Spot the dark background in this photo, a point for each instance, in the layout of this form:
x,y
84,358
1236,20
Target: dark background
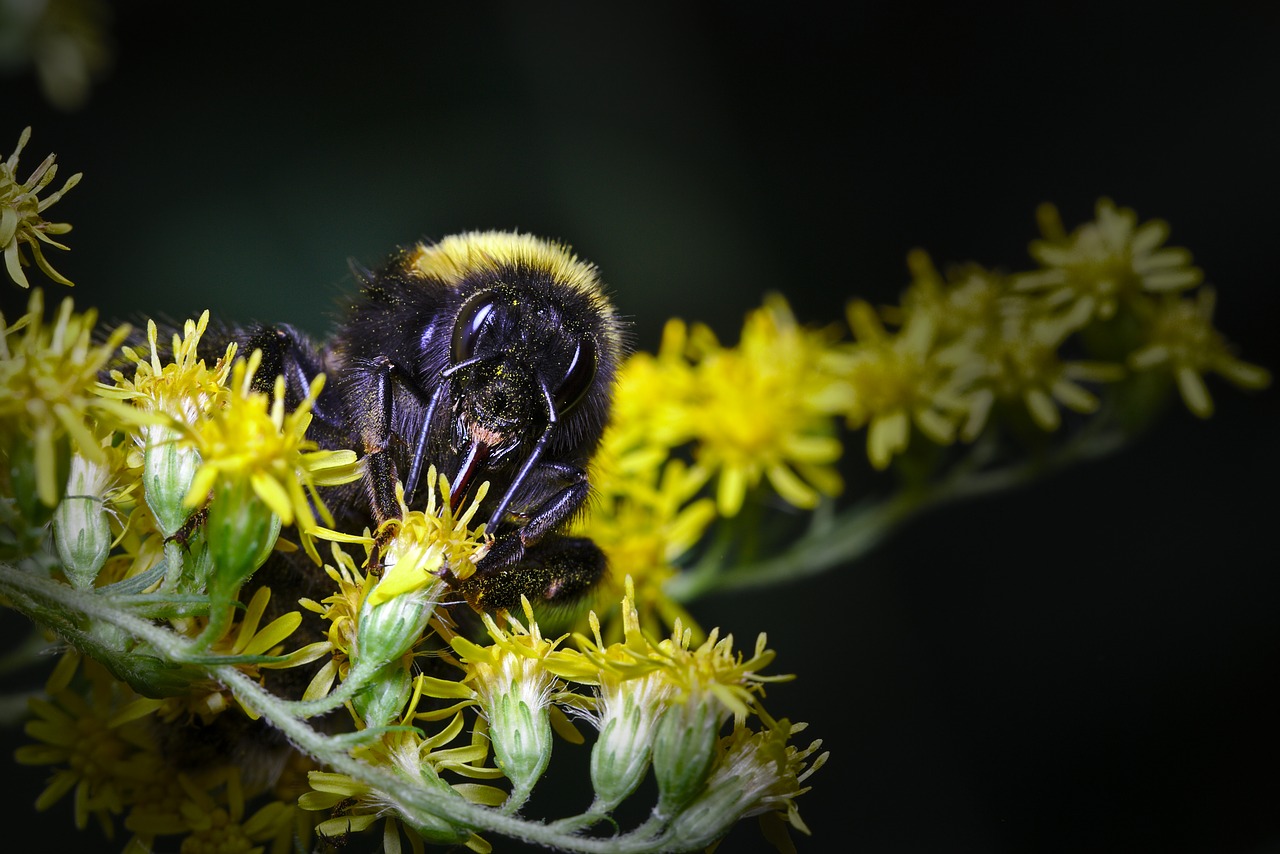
x,y
1088,665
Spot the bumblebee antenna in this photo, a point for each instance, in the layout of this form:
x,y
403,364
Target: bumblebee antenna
x,y
530,461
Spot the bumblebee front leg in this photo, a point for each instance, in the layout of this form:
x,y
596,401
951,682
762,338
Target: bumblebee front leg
x,y
554,574
532,561
560,506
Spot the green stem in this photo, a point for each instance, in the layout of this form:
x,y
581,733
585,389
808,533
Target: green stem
x,y
414,800
837,539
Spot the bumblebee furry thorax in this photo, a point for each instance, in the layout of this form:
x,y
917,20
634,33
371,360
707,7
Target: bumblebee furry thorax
x,y
490,355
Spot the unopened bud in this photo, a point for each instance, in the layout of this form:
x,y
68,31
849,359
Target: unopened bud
x,y
684,751
81,529
241,531
169,465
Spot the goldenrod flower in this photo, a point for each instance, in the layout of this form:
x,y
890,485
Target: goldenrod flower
x,y
21,209
206,699
100,753
174,395
895,381
1105,263
355,806
663,699
631,694
513,681
651,399
1018,361
762,410
644,519
1181,339
421,544
963,304
756,773
47,374
180,386
342,609
218,824
251,438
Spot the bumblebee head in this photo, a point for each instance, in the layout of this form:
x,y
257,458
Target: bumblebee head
x,y
520,363
533,345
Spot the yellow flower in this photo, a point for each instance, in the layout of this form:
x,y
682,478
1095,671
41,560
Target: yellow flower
x,y
251,437
710,672
1106,263
355,806
21,207
652,398
181,386
342,609
421,544
215,821
47,374
763,410
170,397
207,699
756,773
1182,340
514,682
1017,361
896,381
103,753
645,519
964,303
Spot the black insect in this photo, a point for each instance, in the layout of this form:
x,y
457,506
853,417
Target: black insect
x,y
490,355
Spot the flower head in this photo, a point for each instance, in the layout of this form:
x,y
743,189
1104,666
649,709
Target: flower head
x,y
101,753
1182,340
895,381
756,773
421,544
251,439
762,410
1106,263
47,374
21,209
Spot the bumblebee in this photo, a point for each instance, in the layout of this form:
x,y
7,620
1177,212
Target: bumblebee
x,y
491,355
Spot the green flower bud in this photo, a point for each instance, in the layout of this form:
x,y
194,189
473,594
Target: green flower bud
x,y
169,465
684,751
382,700
628,717
520,727
81,530
241,531
389,629
436,830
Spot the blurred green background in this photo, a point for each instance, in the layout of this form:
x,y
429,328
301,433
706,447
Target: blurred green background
x,y
1089,665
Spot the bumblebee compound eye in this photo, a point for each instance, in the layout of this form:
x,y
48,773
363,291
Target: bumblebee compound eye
x,y
473,316
578,377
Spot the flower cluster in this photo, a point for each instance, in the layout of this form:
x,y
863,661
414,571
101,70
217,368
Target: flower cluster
x,y
161,505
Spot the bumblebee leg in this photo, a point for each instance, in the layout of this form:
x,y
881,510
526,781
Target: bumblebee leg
x,y
556,509
288,353
510,546
374,430
556,572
